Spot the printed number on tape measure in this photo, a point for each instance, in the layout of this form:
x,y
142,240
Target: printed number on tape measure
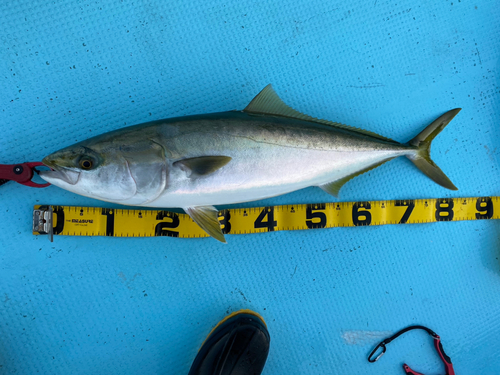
x,y
91,221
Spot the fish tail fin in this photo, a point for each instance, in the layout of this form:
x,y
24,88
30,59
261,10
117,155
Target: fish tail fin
x,y
422,158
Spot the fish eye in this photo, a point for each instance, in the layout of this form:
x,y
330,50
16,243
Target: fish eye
x,y
86,164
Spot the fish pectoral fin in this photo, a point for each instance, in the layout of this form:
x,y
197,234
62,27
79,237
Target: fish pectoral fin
x,y
334,187
207,217
203,165
269,103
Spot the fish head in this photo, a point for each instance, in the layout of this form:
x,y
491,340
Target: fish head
x,y
114,170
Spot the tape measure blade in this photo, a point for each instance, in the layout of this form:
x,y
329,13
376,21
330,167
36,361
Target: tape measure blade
x,y
85,221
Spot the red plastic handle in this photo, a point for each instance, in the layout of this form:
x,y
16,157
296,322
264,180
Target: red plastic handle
x,y
21,173
446,360
409,371
448,366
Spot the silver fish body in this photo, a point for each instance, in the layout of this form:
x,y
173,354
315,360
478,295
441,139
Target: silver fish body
x,y
269,156
197,162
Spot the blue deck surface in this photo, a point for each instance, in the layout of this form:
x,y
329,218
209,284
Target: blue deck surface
x,y
75,69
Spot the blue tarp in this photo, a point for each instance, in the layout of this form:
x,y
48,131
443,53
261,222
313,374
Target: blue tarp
x,y
79,305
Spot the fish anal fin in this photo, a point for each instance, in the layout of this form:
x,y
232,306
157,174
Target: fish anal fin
x,y
207,217
334,187
269,103
203,165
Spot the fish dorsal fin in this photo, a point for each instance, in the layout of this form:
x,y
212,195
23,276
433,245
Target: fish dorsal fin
x,y
334,187
203,165
269,103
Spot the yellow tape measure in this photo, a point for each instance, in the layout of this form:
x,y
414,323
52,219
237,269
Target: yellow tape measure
x,y
92,221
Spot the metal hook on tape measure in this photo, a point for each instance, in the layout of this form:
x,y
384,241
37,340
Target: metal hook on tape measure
x,y
21,173
42,221
437,344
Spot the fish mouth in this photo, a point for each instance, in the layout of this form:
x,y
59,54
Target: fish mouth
x,y
58,174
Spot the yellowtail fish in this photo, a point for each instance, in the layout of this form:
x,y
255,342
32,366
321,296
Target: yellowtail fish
x,y
196,162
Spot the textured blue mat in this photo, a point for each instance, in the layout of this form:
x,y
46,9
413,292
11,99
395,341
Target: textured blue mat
x,y
71,70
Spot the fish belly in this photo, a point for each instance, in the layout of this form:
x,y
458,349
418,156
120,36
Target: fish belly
x,y
252,176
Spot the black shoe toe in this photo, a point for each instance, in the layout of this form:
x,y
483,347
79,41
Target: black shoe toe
x,y
238,345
